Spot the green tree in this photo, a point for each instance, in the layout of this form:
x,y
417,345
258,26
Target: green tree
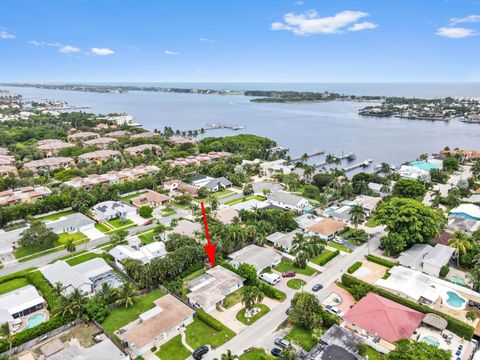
x,y
451,164
289,353
145,212
357,215
417,350
228,356
306,311
97,309
70,246
409,188
127,295
248,272
248,189
6,334
462,243
38,234
213,201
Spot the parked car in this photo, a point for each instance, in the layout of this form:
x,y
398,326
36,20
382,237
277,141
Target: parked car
x,y
148,222
334,310
317,287
288,310
272,279
282,343
276,352
288,274
337,240
381,247
198,354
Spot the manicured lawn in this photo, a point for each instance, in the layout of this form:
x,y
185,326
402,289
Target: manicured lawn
x,y
54,217
245,198
339,246
122,316
12,285
287,265
130,197
320,258
248,321
62,240
296,284
372,222
168,212
82,258
199,333
233,298
302,337
173,350
371,353
64,237
256,354
103,228
147,237
118,223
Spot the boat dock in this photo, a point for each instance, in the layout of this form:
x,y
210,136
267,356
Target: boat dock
x,y
310,155
364,164
216,126
348,156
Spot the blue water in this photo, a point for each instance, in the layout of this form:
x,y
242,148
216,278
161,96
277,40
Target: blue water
x,y
35,320
334,127
424,165
430,340
455,300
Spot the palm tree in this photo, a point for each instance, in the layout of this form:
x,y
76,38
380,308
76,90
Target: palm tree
x,y
107,293
213,201
58,288
385,168
70,246
6,333
309,170
127,295
266,192
357,215
248,297
228,356
330,159
298,240
461,242
289,353
258,295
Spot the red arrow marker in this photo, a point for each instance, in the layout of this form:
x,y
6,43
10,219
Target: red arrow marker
x,y
211,247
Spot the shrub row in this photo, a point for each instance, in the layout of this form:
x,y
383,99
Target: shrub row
x,y
456,326
354,267
17,275
209,320
381,261
36,279
329,257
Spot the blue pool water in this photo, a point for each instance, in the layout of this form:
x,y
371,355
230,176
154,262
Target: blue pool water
x,y
458,280
35,319
455,300
329,212
424,165
431,340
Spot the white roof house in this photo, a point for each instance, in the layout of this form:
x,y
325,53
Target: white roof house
x,y
468,211
20,302
109,210
287,201
283,241
72,223
412,172
425,258
144,253
270,168
251,204
259,257
306,220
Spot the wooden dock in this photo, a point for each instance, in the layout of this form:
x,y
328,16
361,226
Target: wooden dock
x,y
363,164
310,155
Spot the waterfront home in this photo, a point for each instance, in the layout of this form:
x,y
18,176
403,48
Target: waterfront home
x,y
385,320
283,241
86,277
326,228
198,159
52,146
49,164
178,140
139,150
426,258
20,302
465,155
101,142
226,215
145,135
71,224
467,211
99,156
145,253
412,172
109,210
165,320
271,168
150,198
8,170
380,189
465,225
28,194
287,201
210,289
81,136
186,228
176,187
257,256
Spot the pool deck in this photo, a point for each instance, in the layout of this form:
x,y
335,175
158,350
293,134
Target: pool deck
x,y
455,341
24,319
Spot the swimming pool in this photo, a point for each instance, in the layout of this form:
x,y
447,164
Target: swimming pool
x,y
329,212
455,301
35,319
431,340
458,280
424,165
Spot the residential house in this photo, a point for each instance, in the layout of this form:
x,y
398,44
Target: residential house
x,y
380,189
459,223
198,159
145,253
117,134
226,215
266,187
271,168
467,211
176,187
71,224
28,194
326,228
257,256
210,289
178,140
52,146
20,302
250,205
465,155
426,258
201,180
109,210
287,201
213,185
412,172
306,220
474,199
8,170
337,343
49,164
139,150
184,227
99,156
81,136
283,241
145,135
150,198
101,142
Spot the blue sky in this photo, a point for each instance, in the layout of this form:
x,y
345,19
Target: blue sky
x,y
240,41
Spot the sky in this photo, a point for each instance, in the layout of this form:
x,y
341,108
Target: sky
x,y
239,41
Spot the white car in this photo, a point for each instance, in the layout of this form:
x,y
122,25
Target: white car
x,y
334,310
337,240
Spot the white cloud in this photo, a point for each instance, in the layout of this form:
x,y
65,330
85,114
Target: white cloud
x,y
35,43
362,26
68,49
101,51
299,3
206,40
6,35
170,52
43,43
310,22
466,19
455,32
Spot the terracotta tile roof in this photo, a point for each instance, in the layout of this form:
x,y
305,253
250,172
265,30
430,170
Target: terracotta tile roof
x,y
326,227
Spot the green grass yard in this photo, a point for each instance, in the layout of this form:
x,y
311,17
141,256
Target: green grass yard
x,y
322,257
250,320
122,316
287,265
36,250
372,222
119,223
245,198
296,284
256,354
339,246
173,350
12,285
233,298
302,337
82,258
57,216
199,333
147,237
103,228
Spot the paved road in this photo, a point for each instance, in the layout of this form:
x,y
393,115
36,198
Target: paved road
x,y
255,334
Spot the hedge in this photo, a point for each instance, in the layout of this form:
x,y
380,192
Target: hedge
x,y
209,320
16,275
354,267
329,257
456,326
36,279
381,261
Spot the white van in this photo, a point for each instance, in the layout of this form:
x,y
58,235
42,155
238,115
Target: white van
x,y
271,279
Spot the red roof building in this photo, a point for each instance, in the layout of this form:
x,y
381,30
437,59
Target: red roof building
x,y
376,315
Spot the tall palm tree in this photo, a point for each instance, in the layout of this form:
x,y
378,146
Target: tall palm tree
x,y
298,241
58,288
258,295
357,215
248,297
6,333
461,242
385,168
228,356
70,246
107,293
213,201
127,295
